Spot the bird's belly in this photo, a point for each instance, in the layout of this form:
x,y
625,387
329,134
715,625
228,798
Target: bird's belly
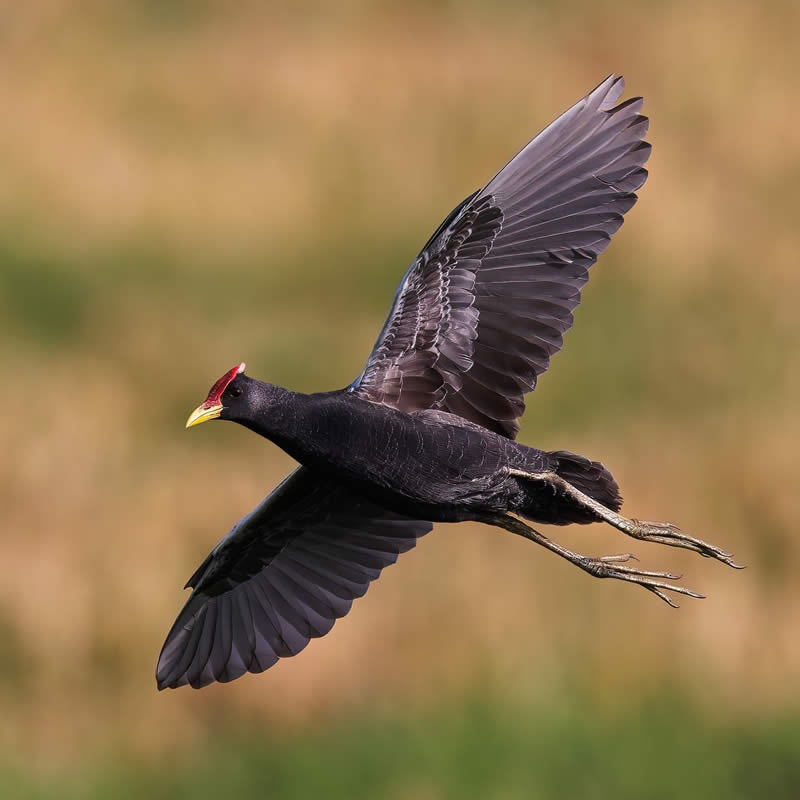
x,y
456,507
417,490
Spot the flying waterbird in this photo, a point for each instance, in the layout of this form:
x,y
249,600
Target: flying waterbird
x,y
426,433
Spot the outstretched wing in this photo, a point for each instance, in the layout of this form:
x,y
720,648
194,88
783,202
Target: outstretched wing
x,y
486,303
282,576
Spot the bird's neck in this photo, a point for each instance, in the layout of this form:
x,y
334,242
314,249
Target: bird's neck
x,y
274,413
289,419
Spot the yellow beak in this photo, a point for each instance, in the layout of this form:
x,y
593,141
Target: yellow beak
x,y
203,414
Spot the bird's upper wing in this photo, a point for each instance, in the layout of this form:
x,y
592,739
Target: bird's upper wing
x,y
486,303
282,576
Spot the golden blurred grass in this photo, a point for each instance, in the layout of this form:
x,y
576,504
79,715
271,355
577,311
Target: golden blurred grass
x,y
185,186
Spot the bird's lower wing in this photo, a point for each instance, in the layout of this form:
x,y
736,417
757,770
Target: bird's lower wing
x,y
282,576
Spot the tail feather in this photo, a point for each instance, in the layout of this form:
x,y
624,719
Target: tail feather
x,y
591,477
548,504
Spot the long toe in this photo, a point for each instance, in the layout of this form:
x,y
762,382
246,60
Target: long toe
x,y
672,536
619,558
653,581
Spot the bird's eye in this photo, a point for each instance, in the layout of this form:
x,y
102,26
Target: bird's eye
x,y
236,391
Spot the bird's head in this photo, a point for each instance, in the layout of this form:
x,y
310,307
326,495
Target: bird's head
x,y
230,398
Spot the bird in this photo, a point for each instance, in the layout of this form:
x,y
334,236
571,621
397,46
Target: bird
x,y
427,432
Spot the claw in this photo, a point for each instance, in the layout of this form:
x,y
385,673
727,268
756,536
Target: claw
x,y
668,600
669,534
610,567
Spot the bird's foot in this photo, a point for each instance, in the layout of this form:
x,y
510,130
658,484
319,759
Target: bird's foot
x,y
610,567
673,536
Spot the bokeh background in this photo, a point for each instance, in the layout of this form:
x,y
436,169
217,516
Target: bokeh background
x,y
190,184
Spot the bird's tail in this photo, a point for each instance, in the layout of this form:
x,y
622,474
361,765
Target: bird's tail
x,y
591,477
550,504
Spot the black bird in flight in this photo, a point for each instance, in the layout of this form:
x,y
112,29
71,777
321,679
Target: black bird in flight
x,y
426,433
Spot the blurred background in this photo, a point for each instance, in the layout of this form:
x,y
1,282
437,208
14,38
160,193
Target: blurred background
x,y
190,184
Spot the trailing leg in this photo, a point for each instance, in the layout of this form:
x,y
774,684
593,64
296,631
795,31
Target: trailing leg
x,y
659,532
600,567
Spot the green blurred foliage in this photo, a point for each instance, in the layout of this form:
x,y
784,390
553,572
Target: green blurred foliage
x,y
480,748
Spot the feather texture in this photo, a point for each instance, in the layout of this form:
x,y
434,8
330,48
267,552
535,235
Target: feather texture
x,y
281,577
487,302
